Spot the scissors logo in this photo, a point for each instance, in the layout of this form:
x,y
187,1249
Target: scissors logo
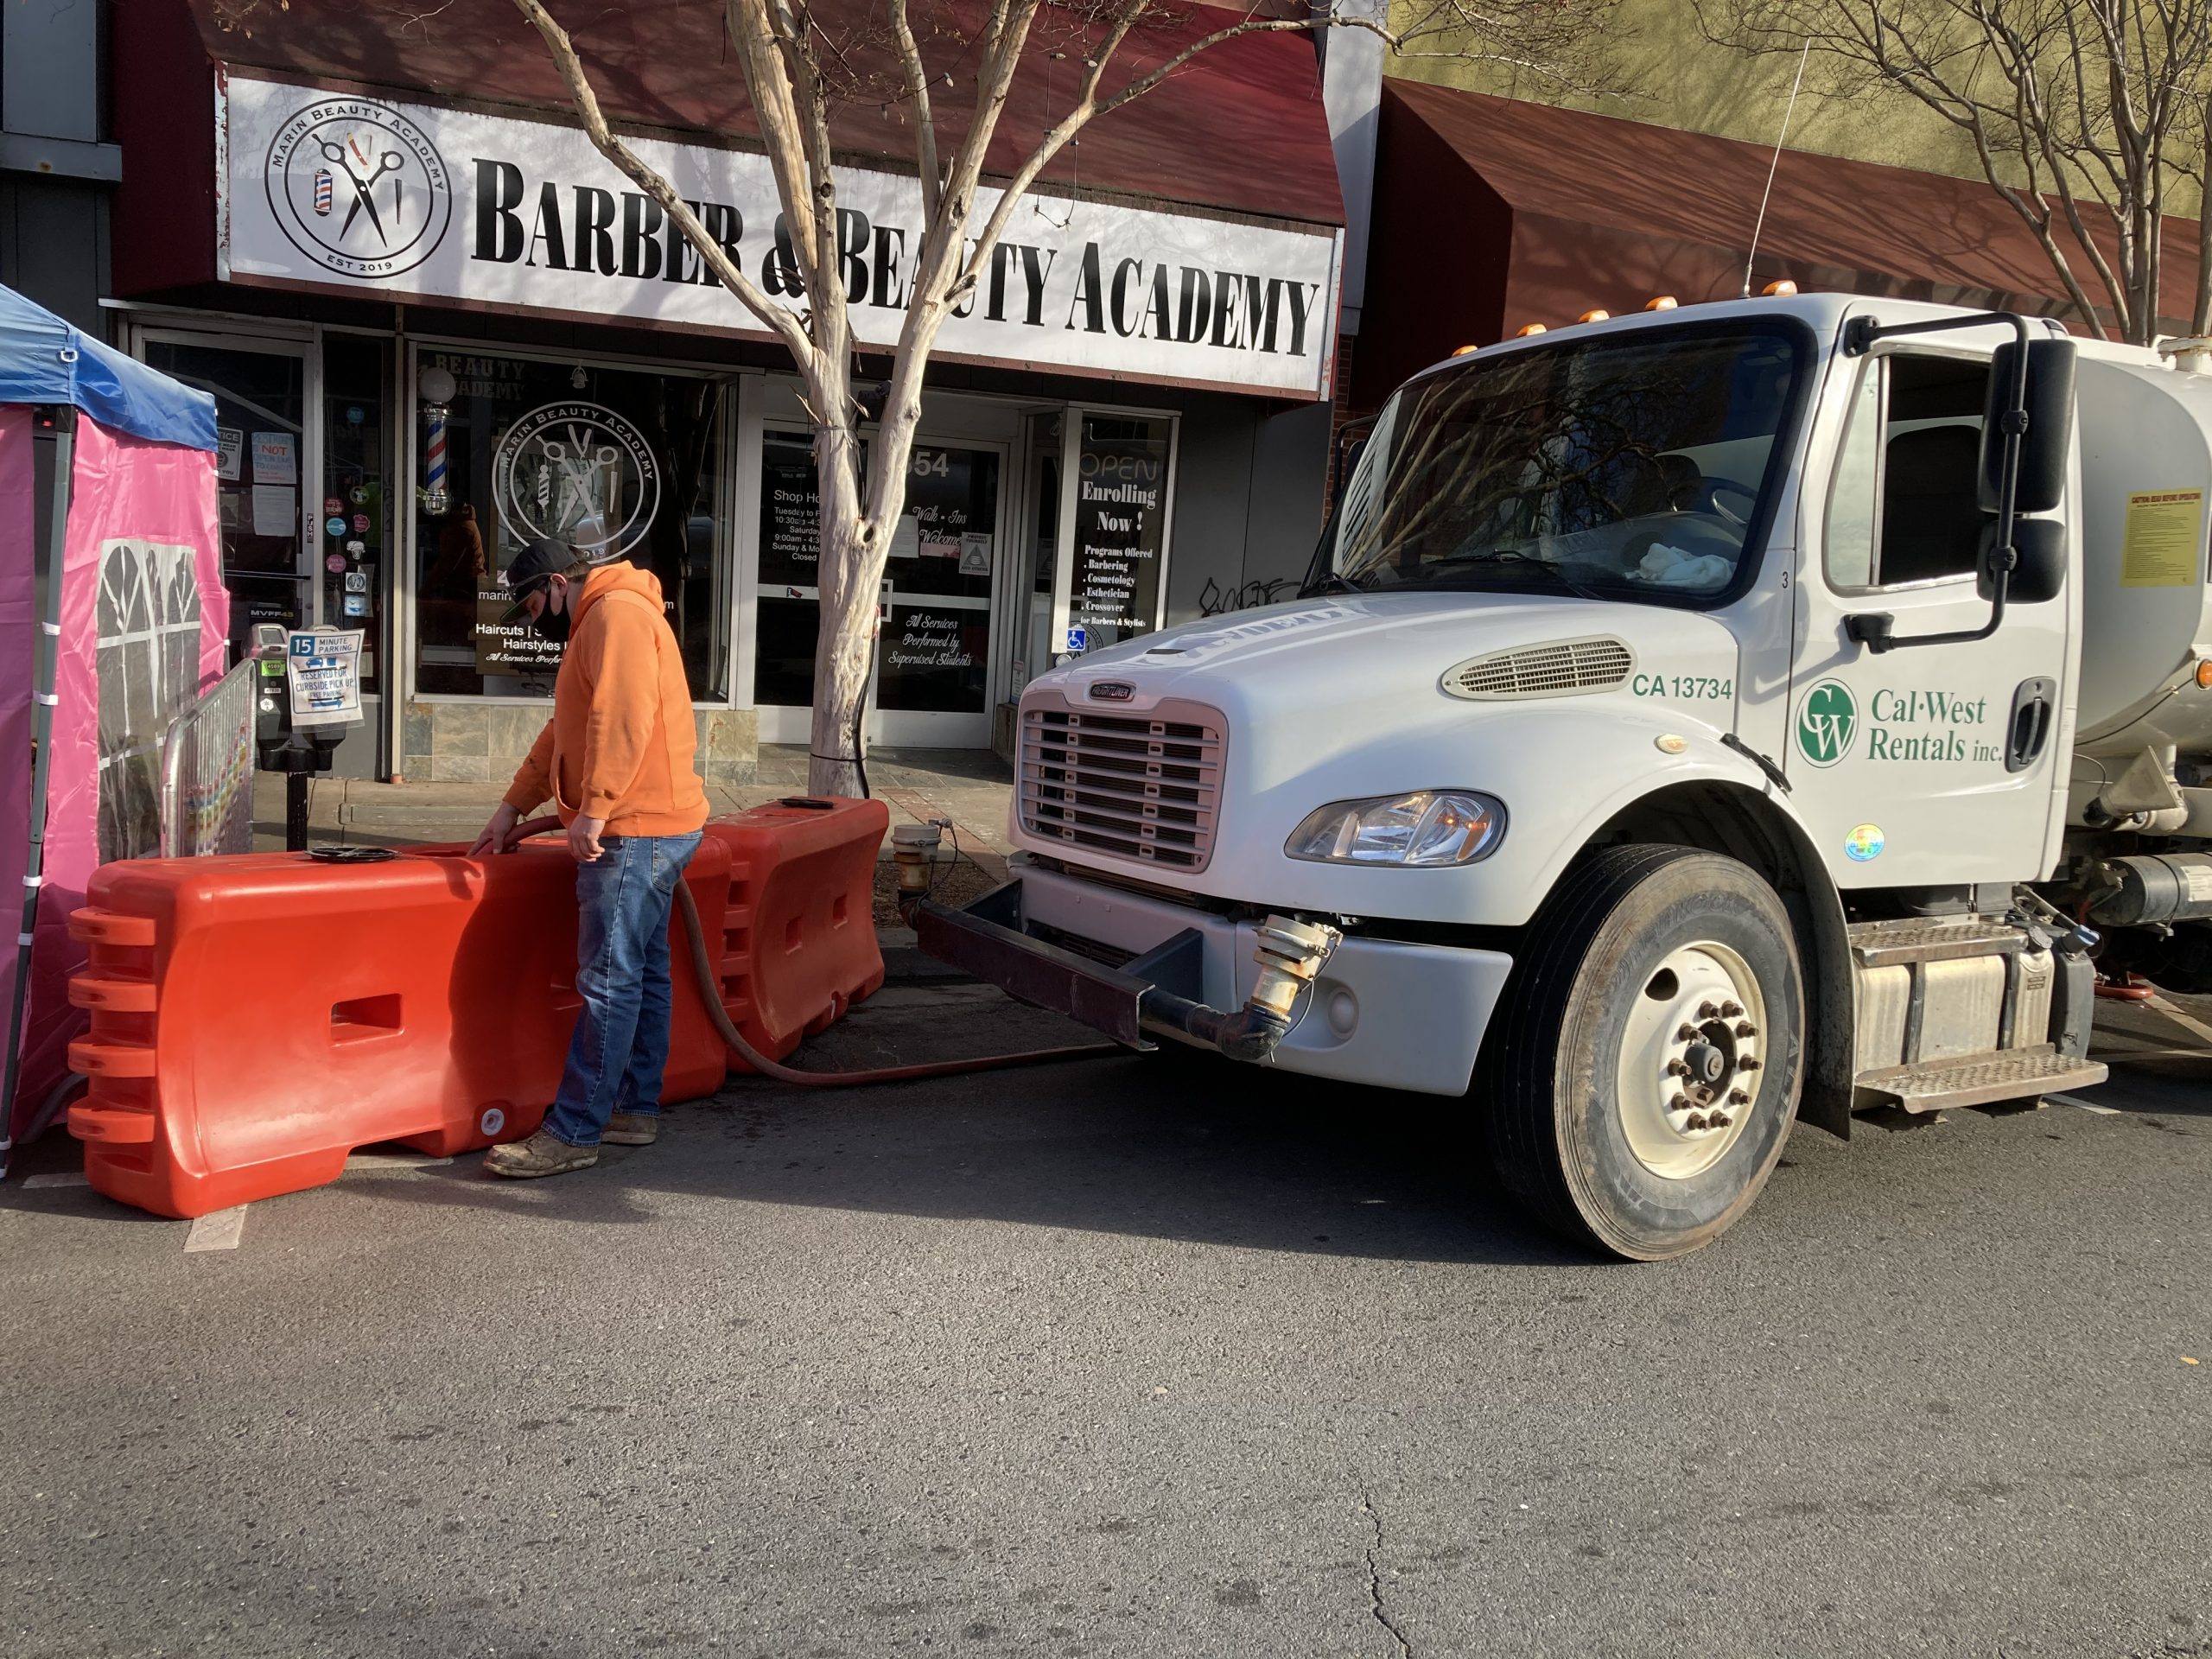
x,y
580,471
359,187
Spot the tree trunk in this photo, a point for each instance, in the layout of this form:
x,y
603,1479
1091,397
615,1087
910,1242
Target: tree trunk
x,y
851,567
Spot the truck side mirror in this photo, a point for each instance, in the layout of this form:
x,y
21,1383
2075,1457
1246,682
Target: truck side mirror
x,y
2048,439
2040,572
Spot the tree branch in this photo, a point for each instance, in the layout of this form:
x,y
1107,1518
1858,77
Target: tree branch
x,y
779,321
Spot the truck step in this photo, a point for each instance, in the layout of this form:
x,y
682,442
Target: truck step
x,y
1978,1079
1880,945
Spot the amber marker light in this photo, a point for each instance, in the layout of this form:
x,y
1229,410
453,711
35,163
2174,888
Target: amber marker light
x,y
2204,673
1780,290
1664,302
1466,350
1527,329
1593,316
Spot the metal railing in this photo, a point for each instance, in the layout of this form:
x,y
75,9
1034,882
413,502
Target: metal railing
x,y
207,769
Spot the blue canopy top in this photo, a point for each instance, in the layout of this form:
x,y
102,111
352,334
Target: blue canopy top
x,y
44,360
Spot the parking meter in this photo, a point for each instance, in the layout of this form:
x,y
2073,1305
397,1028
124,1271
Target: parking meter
x,y
308,691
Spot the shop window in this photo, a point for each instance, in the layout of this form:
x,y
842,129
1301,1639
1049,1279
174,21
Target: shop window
x,y
621,463
1121,529
352,532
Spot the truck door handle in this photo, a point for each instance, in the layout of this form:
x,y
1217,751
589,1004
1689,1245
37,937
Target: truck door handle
x,y
2033,705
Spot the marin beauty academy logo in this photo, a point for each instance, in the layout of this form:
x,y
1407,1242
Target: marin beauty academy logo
x,y
359,187
1827,723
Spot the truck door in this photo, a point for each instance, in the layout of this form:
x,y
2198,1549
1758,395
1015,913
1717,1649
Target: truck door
x,y
1919,766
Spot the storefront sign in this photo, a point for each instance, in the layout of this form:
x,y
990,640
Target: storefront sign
x,y
341,190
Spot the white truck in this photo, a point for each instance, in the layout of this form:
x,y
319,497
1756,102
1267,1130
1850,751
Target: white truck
x,y
1694,721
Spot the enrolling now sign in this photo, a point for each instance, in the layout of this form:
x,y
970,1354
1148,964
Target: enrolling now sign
x,y
344,191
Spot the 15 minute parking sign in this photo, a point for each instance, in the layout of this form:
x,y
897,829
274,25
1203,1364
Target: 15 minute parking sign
x,y
325,670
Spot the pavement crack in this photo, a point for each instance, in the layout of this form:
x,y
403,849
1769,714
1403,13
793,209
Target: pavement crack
x,y
1374,1607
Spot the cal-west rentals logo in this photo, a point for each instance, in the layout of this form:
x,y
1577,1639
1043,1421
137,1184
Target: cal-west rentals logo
x,y
580,473
359,187
1828,722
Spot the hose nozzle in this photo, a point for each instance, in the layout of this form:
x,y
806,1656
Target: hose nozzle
x,y
914,848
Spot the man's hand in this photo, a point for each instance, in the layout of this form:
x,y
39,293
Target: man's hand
x,y
494,836
584,839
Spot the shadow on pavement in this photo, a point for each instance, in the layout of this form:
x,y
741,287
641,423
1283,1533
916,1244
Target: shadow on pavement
x,y
1178,1148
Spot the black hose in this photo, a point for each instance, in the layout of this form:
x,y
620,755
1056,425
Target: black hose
x,y
702,967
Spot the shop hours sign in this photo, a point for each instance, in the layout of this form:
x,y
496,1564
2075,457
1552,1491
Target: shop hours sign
x,y
340,191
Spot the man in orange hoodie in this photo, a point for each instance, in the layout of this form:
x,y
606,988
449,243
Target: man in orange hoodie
x,y
616,761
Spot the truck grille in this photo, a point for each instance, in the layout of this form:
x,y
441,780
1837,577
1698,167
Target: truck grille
x,y
1140,786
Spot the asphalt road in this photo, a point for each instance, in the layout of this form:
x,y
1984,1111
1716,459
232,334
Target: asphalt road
x,y
1116,1358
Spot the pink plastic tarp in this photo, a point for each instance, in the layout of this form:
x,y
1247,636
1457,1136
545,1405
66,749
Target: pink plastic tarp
x,y
124,488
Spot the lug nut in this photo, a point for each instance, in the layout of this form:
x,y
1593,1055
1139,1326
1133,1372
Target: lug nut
x,y
1730,1010
1679,1103
1694,1121
1717,1121
1748,1063
1739,1097
1707,1011
1687,1034
1678,1068
1745,1028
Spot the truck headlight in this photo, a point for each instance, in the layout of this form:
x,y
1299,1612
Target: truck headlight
x,y
1427,828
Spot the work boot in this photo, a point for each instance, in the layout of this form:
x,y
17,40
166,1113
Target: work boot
x,y
542,1155
630,1129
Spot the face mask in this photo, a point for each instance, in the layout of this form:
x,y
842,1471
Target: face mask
x,y
551,625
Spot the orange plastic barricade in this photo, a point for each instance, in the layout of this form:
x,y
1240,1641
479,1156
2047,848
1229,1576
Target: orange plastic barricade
x,y
255,1019
798,936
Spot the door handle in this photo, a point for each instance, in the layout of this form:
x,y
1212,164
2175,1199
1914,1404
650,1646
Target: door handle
x,y
2033,706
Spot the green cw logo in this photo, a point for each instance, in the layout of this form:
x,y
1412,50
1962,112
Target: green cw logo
x,y
1828,720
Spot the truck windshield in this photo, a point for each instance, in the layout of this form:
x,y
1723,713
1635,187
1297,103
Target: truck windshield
x,y
1631,467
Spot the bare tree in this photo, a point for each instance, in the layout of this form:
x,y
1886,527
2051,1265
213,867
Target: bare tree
x,y
798,60
2083,113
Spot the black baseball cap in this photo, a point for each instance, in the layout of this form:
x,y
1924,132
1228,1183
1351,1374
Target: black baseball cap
x,y
545,558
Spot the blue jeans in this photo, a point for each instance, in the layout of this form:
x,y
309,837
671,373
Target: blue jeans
x,y
620,1048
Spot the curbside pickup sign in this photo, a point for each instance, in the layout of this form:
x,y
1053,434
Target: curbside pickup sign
x,y
338,190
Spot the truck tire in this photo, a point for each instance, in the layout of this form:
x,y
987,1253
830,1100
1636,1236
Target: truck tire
x,y
1630,972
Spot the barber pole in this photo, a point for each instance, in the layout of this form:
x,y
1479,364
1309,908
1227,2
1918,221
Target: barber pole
x,y
437,498
322,191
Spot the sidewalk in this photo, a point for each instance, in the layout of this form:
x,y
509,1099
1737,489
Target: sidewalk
x,y
970,786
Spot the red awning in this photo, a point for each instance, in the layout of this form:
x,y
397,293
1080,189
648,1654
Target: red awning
x,y
1241,131
1491,214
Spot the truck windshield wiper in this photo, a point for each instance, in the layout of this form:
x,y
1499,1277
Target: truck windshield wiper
x,y
1513,555
1336,581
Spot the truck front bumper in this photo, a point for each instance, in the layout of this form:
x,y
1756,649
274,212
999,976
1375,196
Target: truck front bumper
x,y
1392,1014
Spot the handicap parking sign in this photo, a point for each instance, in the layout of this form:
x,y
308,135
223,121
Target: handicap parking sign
x,y
1078,639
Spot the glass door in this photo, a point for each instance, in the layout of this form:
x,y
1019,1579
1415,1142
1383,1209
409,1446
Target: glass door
x,y
933,675
264,466
931,682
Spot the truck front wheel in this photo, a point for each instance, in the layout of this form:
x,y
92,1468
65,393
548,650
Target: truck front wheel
x,y
1640,1071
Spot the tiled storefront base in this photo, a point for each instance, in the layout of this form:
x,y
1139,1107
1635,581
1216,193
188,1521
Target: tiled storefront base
x,y
483,742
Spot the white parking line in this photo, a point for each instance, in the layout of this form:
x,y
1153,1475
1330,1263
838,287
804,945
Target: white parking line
x,y
219,1231
2087,1106
59,1177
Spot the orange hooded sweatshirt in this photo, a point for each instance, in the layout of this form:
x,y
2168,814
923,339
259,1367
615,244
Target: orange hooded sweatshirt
x,y
620,743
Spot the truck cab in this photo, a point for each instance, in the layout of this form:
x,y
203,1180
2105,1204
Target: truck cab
x,y
1676,736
